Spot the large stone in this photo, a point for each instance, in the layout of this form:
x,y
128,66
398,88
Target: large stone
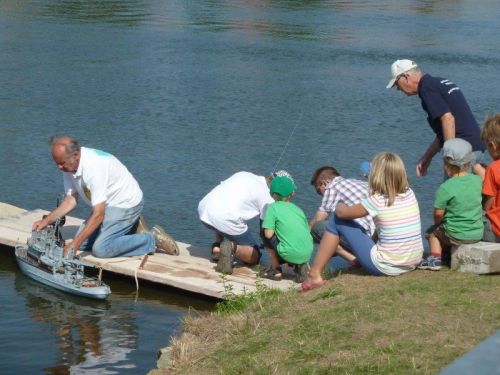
x,y
480,258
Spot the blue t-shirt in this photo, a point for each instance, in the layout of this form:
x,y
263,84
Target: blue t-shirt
x,y
439,96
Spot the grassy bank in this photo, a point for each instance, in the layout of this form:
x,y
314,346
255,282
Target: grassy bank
x,y
355,324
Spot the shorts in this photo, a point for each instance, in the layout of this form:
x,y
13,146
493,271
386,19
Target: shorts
x,y
245,239
444,238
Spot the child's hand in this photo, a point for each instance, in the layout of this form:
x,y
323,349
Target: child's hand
x,y
479,169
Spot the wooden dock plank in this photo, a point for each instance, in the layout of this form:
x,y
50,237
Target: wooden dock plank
x,y
190,271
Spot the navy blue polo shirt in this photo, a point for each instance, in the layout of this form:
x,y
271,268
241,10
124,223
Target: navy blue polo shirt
x,y
439,96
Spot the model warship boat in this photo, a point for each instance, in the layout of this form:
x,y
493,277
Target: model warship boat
x,y
42,259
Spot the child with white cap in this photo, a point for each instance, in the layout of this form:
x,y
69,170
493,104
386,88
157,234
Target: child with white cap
x,y
288,222
457,206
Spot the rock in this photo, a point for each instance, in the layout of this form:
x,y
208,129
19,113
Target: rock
x,y
164,358
479,258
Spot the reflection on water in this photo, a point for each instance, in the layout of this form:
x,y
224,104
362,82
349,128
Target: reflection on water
x,y
129,12
66,334
87,333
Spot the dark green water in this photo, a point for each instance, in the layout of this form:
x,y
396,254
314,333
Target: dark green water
x,y
186,93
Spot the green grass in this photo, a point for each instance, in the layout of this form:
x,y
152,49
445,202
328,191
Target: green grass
x,y
356,324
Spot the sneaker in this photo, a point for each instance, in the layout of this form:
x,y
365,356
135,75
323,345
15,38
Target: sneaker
x,y
225,262
141,225
271,273
301,272
164,243
432,263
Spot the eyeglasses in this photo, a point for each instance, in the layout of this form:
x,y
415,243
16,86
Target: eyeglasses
x,y
398,78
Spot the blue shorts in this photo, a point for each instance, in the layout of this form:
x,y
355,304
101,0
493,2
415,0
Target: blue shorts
x,y
359,241
245,239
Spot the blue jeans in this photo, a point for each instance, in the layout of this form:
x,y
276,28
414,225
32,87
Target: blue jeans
x,y
489,236
319,229
116,236
360,243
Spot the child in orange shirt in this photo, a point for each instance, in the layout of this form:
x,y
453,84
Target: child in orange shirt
x,y
491,184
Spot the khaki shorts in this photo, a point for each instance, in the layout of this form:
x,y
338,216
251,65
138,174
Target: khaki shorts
x,y
444,238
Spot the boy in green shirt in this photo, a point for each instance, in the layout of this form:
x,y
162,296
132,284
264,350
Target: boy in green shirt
x,y
457,207
288,222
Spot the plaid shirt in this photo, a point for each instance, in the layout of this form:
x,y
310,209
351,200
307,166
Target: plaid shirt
x,y
350,192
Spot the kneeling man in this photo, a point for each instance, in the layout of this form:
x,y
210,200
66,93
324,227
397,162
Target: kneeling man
x,y
103,182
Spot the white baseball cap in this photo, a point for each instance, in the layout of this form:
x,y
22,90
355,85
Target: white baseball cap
x,y
399,67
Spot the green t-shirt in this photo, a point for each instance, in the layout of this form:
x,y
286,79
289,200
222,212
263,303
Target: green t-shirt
x,y
290,226
461,198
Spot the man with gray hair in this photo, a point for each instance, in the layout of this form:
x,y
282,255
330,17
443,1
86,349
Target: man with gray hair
x,y
104,183
448,113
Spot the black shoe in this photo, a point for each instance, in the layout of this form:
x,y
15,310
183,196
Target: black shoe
x,y
225,262
301,272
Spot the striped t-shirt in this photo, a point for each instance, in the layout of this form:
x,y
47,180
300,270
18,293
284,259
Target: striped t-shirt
x,y
399,248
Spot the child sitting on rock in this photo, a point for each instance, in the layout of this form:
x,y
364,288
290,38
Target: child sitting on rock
x,y
288,222
457,206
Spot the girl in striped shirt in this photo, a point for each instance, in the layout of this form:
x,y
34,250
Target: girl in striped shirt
x,y
394,209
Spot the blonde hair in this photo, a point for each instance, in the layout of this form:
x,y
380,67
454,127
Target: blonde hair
x,y
491,129
454,169
388,176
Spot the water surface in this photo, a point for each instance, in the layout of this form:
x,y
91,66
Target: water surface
x,y
187,93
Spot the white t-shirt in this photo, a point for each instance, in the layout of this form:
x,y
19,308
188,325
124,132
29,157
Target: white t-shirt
x,y
230,204
103,178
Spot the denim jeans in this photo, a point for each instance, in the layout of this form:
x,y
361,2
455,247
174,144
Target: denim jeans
x,y
318,230
116,236
360,242
489,236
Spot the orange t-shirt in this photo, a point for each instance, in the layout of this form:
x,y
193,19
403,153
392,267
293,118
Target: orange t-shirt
x,y
491,188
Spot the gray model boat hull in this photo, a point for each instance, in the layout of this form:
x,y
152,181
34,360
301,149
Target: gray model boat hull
x,y
57,281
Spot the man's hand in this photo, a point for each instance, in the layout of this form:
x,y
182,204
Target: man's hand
x,y
68,204
422,166
67,248
425,160
39,225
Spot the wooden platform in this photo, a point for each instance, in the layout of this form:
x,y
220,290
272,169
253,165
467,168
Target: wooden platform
x,y
190,271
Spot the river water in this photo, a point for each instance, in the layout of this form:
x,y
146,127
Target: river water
x,y
186,93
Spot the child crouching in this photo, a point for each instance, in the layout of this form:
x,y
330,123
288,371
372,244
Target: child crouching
x,y
457,206
288,222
